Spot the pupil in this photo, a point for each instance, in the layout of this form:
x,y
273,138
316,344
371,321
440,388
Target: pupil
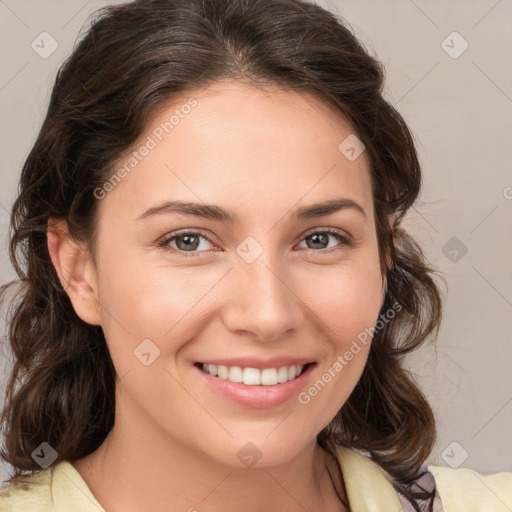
x,y
316,236
188,245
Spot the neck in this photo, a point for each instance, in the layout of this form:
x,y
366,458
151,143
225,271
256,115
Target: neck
x,y
127,474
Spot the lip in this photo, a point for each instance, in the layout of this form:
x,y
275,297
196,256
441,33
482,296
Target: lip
x,y
258,397
260,363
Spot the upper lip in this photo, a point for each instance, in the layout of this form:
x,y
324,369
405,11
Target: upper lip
x,y
260,363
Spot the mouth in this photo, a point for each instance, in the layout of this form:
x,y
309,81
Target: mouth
x,y
254,376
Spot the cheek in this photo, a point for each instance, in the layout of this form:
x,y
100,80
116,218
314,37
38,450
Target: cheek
x,y
346,298
150,302
346,302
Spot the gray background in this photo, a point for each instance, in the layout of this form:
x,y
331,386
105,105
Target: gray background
x,y
458,106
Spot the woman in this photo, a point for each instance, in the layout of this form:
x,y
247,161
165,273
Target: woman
x,y
218,290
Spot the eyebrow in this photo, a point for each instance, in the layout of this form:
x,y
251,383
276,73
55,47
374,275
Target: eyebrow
x,y
213,212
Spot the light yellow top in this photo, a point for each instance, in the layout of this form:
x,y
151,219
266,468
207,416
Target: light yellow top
x,y
62,489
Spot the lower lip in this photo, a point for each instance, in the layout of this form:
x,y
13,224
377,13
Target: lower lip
x,y
259,397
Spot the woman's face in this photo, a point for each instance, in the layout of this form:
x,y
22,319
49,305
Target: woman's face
x,y
259,291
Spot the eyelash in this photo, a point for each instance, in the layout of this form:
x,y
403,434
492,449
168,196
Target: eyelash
x,y
345,239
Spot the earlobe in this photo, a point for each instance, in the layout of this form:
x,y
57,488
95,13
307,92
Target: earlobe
x,y
76,271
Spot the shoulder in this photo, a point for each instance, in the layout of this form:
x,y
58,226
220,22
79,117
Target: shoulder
x,y
32,494
464,489
59,488
457,490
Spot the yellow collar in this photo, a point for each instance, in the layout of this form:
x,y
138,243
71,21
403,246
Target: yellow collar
x,y
368,486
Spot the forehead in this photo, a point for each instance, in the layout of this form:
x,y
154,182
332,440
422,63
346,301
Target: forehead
x,y
236,144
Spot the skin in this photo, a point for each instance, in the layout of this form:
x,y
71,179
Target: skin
x,y
260,153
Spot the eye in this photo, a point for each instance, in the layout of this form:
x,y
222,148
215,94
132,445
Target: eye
x,y
190,241
320,237
186,241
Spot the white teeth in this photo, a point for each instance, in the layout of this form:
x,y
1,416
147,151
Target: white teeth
x,y
282,374
223,372
254,376
269,376
235,374
211,369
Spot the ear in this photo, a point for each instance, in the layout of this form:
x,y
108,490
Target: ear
x,y
76,271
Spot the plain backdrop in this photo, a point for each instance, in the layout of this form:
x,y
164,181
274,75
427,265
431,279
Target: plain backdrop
x,y
449,73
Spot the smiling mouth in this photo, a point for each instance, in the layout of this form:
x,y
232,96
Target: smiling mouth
x,y
254,376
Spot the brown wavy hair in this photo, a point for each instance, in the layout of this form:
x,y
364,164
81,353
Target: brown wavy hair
x,y
133,59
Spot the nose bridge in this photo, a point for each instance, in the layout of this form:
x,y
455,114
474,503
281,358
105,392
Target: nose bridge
x,y
262,299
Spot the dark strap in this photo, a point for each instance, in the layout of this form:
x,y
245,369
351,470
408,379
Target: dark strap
x,y
425,482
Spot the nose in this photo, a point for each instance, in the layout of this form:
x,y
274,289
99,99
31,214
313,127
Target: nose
x,y
262,302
